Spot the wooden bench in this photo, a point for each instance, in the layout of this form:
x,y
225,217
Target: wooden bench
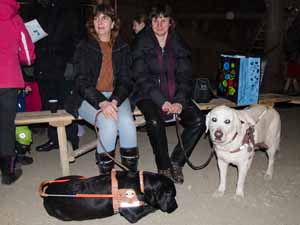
x,y
266,99
61,119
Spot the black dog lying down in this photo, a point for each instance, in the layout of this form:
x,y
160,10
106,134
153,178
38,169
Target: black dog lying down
x,y
73,197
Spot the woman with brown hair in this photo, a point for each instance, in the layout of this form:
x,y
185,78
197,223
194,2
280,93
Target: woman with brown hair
x,y
103,83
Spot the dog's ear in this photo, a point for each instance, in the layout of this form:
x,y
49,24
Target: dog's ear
x,y
165,195
244,116
207,121
134,214
160,192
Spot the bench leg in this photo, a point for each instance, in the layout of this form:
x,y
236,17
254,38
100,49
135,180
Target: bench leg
x,y
63,150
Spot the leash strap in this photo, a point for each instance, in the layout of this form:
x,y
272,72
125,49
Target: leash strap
x,y
202,166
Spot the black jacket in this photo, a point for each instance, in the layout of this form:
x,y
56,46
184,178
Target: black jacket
x,y
88,61
146,70
61,20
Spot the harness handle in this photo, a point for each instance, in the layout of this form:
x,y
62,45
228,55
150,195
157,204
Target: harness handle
x,y
42,188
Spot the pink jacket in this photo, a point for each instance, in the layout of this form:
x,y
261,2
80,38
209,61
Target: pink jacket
x,y
15,45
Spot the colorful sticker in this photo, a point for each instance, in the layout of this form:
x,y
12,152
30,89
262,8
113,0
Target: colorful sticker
x,y
226,66
227,76
231,91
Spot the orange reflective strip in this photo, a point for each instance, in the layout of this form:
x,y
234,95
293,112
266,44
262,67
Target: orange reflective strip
x,y
58,181
64,180
93,195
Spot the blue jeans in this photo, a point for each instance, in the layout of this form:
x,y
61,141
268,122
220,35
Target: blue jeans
x,y
109,129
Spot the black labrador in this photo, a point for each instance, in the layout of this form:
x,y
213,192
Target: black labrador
x,y
61,201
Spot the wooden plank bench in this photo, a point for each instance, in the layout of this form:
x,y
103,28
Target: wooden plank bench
x,y
266,99
61,119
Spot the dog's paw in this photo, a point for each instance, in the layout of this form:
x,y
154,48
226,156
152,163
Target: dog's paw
x,y
268,177
218,194
238,197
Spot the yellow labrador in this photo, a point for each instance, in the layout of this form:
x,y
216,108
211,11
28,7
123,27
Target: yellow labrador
x,y
236,134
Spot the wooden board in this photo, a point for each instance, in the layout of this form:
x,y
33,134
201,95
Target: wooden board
x,y
268,99
24,118
295,100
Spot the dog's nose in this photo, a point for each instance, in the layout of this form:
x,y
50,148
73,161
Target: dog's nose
x,y
218,134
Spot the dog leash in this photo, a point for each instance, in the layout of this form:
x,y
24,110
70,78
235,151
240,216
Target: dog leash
x,y
202,166
103,147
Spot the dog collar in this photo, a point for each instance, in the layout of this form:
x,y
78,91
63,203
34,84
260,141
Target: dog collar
x,y
247,142
125,197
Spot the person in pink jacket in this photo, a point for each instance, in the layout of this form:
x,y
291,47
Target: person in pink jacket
x,y
16,48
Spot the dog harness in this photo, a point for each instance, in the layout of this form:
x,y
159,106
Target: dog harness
x,y
125,197
248,141
121,198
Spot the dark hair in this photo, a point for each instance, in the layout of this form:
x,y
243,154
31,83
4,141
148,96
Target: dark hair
x,y
141,18
162,10
107,10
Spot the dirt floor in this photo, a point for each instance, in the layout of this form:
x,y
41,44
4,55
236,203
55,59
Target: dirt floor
x,y
275,202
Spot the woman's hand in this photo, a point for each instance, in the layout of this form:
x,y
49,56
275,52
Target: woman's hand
x,y
167,107
176,108
172,108
109,109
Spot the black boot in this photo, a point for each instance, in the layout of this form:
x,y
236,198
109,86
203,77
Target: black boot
x,y
104,162
130,157
9,172
167,173
21,151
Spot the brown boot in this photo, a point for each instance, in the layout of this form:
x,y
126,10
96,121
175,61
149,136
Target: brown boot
x,y
177,174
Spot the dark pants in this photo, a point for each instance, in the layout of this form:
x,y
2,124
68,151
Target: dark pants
x,y
58,89
8,109
193,122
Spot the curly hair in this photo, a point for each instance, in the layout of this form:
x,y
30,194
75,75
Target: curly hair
x,y
107,10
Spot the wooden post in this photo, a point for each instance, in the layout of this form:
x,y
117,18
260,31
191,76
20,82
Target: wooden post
x,y
63,145
274,77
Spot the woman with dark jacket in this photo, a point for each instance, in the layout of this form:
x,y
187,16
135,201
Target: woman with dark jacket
x,y
163,73
103,83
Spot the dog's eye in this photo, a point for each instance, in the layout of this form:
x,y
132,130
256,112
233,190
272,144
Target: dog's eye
x,y
227,121
214,119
